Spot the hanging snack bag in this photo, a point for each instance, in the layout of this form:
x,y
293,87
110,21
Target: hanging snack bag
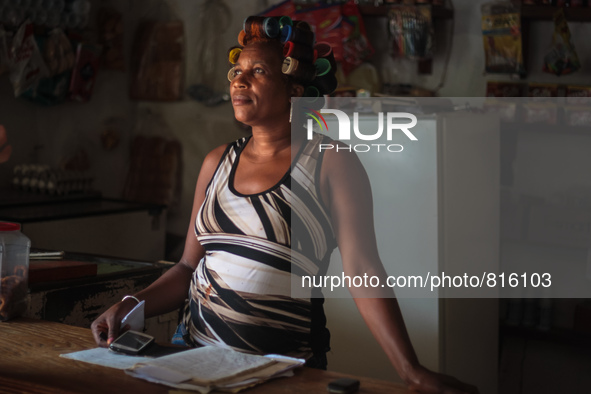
x,y
562,58
501,34
26,63
84,73
411,28
159,61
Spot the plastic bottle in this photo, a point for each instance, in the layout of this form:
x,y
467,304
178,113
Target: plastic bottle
x,y
14,270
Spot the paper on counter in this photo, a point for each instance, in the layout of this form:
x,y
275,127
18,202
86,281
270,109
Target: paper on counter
x,y
104,357
213,368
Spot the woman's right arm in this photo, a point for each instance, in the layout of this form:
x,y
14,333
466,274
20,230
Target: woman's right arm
x,y
168,292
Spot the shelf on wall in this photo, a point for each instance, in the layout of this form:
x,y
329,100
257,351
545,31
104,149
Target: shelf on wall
x,y
545,12
439,12
546,128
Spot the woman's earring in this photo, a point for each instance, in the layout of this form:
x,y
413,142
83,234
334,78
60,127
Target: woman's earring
x,y
290,110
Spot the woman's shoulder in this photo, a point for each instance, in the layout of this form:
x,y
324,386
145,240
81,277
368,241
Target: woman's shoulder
x,y
215,156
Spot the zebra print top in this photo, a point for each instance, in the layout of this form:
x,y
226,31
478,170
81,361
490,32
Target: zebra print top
x,y
257,246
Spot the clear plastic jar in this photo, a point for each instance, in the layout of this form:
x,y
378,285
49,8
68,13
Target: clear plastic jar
x,y
14,270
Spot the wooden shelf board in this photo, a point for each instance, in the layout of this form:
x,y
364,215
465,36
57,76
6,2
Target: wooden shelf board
x,y
546,128
439,12
545,12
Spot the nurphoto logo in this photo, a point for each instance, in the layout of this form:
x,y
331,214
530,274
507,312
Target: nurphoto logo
x,y
344,133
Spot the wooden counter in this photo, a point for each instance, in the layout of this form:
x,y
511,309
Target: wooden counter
x,y
30,363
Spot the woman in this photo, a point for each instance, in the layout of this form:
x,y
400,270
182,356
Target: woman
x,y
237,269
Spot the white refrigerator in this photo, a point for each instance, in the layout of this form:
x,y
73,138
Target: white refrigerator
x,y
436,208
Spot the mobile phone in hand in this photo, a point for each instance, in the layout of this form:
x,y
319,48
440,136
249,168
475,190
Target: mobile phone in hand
x,y
131,342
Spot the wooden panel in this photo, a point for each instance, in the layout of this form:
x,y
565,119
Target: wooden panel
x,y
48,271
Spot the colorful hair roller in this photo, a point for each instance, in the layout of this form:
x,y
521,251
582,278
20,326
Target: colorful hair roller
x,y
272,27
261,27
300,70
313,98
325,51
326,83
286,31
298,51
242,38
311,94
322,66
302,25
285,20
231,74
302,35
234,55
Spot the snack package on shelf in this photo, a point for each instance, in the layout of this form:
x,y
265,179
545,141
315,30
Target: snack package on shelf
x,y
84,73
59,57
542,108
411,28
502,39
27,67
562,58
498,99
58,53
159,61
577,111
505,89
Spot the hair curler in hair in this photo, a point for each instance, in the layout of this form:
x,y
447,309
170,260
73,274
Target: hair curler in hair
x,y
298,51
285,20
231,74
323,66
234,55
325,51
302,71
301,35
242,38
326,83
311,94
261,27
286,32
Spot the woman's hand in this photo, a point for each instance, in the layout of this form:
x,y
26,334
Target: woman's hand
x,y
425,381
108,325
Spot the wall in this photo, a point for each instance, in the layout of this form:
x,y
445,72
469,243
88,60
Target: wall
x,y
49,135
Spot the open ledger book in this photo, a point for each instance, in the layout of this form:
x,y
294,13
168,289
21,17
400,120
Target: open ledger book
x,y
213,368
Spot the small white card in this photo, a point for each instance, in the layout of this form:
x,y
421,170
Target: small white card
x,y
135,318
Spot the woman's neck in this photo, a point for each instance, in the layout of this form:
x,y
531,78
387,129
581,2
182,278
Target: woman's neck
x,y
270,141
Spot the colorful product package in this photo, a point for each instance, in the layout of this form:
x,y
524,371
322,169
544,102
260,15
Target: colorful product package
x,y
412,30
499,101
501,34
577,111
27,67
562,58
543,107
85,70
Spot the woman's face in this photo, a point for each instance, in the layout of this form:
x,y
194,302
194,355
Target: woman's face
x,y
259,90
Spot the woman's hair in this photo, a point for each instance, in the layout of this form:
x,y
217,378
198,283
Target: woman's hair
x,y
305,61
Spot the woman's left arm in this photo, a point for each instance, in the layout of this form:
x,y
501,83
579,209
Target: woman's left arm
x,y
346,190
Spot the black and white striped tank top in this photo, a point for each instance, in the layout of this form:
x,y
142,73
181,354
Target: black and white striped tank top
x,y
240,294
